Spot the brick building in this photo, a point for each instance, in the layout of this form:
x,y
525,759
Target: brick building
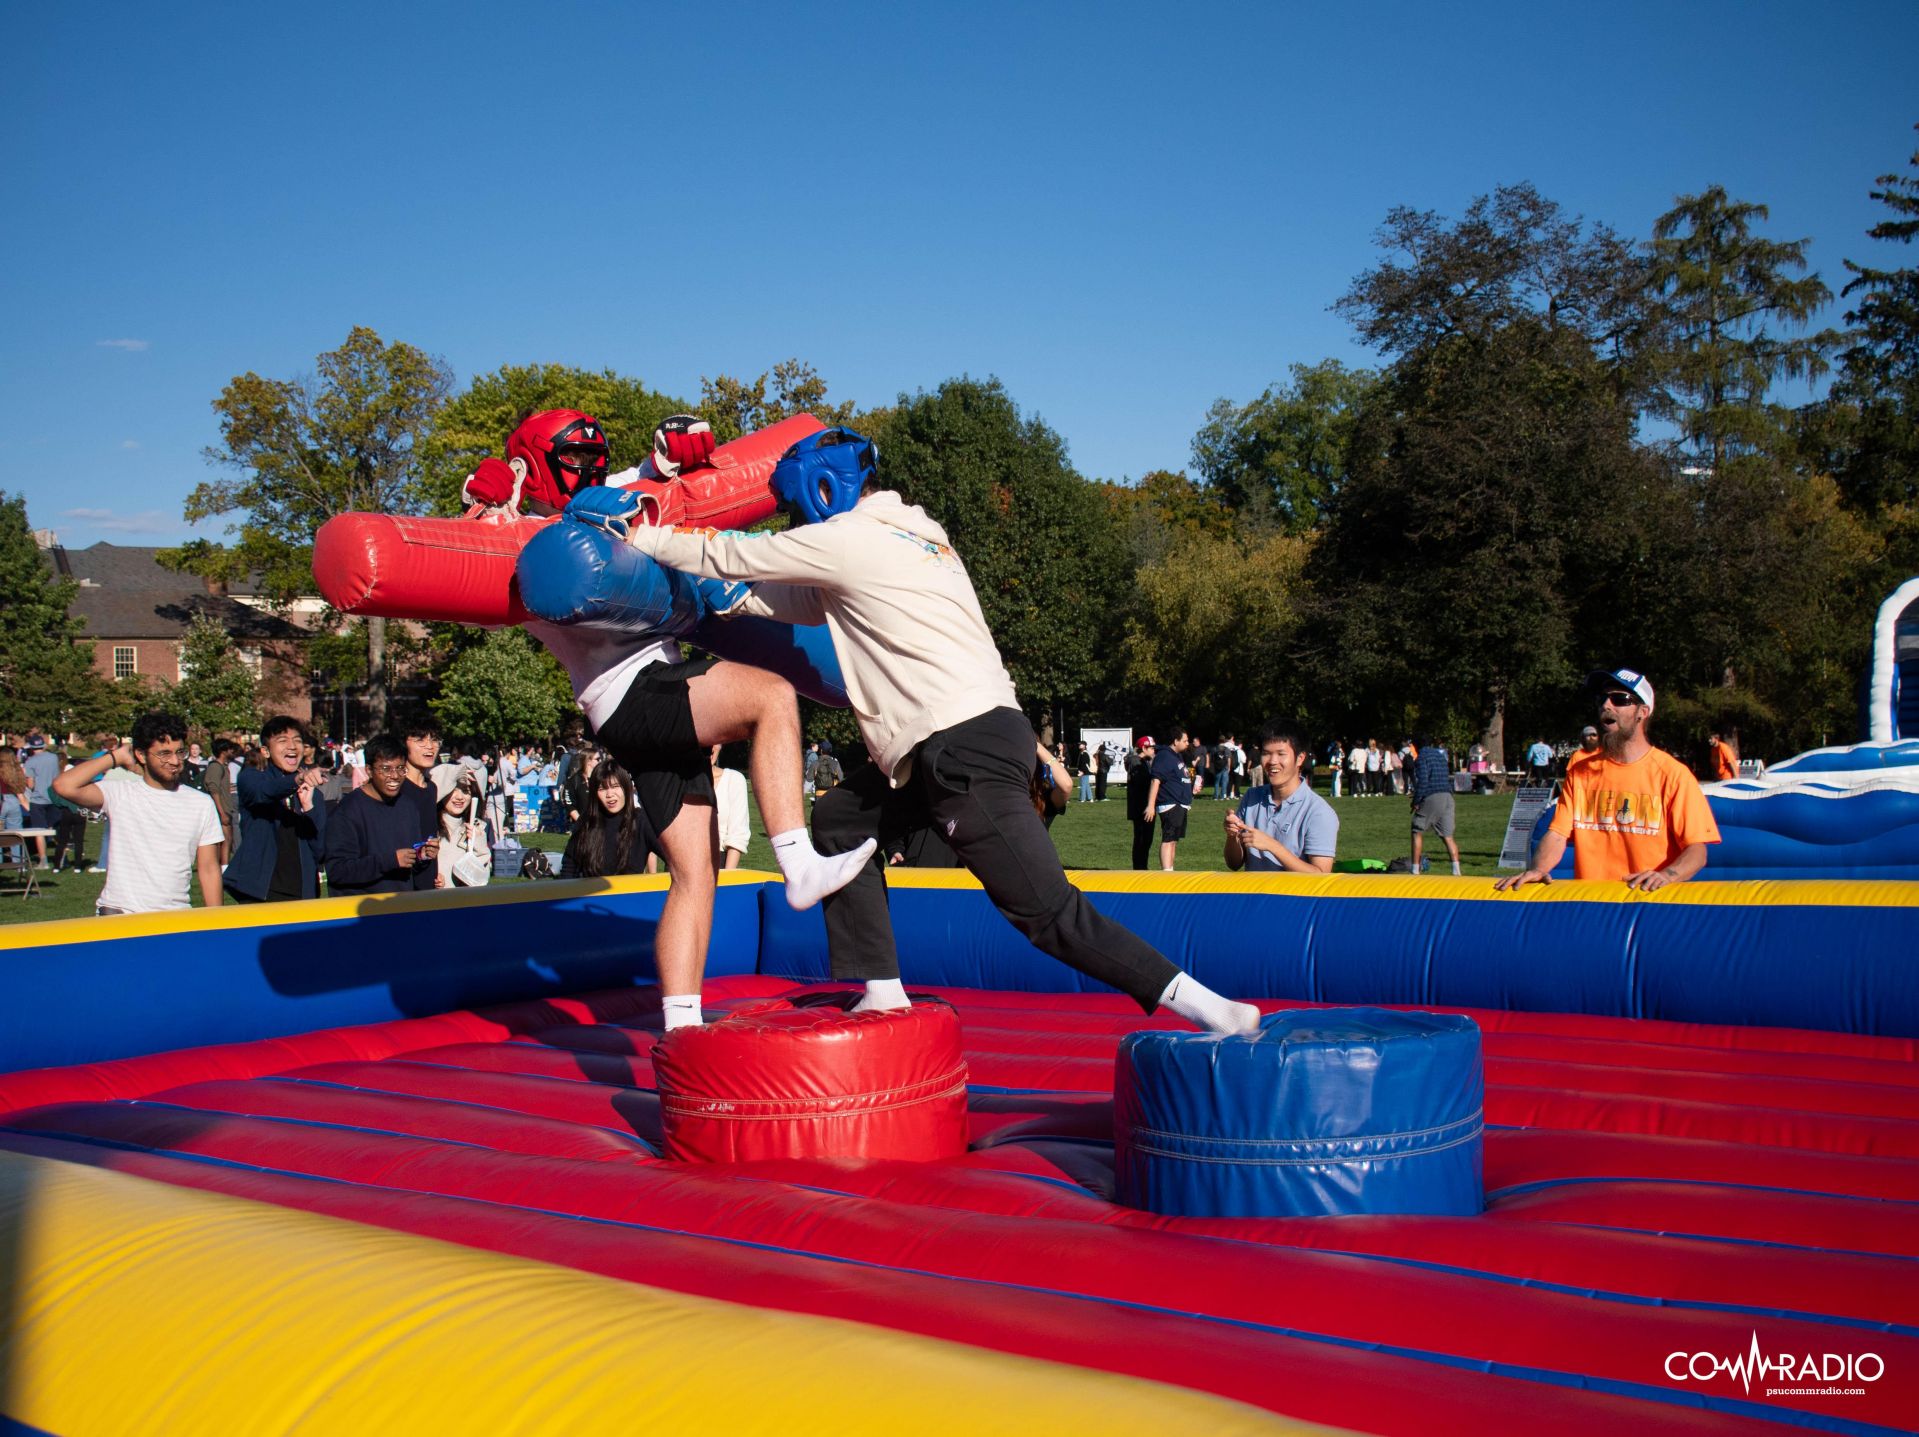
x,y
137,615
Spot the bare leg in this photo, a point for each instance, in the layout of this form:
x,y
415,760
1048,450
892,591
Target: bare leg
x,y
1166,852
686,921
736,701
1419,848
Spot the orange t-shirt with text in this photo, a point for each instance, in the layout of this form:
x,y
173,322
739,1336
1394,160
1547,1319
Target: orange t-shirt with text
x,y
1625,818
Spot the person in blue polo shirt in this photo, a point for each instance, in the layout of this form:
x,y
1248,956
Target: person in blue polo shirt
x,y
1282,825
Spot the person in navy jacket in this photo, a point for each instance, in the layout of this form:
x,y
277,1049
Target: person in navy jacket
x,y
281,821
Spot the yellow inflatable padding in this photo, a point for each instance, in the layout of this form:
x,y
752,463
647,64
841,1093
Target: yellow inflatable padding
x,y
1746,893
136,1307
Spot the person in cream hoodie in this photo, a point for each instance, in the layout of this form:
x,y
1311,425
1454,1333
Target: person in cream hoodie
x,y
935,706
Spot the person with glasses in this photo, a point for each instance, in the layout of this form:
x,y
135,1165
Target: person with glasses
x,y
1632,812
380,840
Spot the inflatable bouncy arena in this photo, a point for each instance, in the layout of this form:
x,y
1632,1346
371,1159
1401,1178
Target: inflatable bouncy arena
x,y
414,1164
1576,1160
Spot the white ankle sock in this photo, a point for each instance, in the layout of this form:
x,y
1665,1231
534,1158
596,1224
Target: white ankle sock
x,y
1455,870
1197,1003
810,874
882,996
681,1010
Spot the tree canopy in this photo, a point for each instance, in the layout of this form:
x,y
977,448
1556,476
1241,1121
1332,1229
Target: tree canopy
x,y
46,667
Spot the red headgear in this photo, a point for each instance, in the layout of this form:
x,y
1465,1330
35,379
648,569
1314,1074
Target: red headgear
x,y
564,451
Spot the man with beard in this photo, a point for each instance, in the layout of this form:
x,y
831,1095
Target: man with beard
x,y
163,831
1632,811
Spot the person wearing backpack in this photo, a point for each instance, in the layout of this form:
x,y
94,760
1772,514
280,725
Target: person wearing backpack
x,y
827,773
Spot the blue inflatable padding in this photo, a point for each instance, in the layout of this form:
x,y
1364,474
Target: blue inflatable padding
x,y
103,996
574,574
1853,758
1844,967
1791,833
802,654
1331,1113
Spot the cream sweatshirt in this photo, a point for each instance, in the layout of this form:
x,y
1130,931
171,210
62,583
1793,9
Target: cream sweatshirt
x,y
913,646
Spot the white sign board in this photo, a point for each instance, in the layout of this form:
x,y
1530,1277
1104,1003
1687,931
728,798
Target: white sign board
x,y
1528,804
1122,741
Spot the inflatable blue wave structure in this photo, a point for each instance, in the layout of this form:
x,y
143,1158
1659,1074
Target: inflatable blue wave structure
x,y
1850,812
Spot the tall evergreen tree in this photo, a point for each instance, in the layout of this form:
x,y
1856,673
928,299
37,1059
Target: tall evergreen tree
x,y
46,669
1880,368
1733,303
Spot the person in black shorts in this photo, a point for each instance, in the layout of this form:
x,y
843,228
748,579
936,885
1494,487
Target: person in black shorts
x,y
658,713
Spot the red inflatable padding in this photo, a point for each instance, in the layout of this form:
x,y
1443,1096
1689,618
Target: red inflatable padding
x,y
1307,1380
137,1077
1348,1300
461,570
776,1081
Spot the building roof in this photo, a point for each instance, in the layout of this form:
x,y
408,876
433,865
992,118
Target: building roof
x,y
125,594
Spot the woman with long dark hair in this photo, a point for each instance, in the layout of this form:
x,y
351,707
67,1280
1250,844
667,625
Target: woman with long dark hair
x,y
613,835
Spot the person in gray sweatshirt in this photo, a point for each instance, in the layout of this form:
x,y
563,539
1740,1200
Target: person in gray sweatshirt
x,y
935,706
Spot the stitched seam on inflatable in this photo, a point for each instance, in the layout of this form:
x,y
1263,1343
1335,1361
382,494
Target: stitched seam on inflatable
x,y
956,1075
1321,1161
1475,1117
702,1108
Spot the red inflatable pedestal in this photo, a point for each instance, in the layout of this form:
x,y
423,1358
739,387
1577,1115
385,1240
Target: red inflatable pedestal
x,y
777,1081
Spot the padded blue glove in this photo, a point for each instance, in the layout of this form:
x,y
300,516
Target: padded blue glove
x,y
608,508
579,574
720,597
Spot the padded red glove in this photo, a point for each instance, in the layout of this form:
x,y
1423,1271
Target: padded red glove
x,y
493,482
682,442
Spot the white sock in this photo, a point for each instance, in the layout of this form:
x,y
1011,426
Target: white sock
x,y
883,995
681,1010
810,874
1197,1003
1455,868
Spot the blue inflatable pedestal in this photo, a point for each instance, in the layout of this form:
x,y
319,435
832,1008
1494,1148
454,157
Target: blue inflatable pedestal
x,y
1324,1113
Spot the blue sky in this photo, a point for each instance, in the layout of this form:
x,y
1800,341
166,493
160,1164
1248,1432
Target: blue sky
x,y
1123,211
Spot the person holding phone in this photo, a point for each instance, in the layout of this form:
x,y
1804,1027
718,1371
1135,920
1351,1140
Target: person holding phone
x,y
379,840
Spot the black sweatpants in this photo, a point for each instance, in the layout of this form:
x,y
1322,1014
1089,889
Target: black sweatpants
x,y
1142,842
973,783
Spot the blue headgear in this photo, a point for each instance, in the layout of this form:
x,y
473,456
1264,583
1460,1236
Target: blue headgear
x,y
823,474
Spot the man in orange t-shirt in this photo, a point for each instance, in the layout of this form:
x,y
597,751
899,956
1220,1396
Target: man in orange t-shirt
x,y
1725,764
1631,811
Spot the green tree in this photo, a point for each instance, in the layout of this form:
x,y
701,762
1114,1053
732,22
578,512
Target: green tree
x,y
1285,453
46,669
1493,476
1877,395
1513,255
503,688
1234,602
216,693
346,439
1732,302
1037,539
476,424
736,406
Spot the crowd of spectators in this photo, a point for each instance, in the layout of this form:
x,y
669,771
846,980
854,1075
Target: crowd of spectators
x,y
276,817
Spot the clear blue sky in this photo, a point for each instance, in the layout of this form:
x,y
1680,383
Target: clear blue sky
x,y
1123,211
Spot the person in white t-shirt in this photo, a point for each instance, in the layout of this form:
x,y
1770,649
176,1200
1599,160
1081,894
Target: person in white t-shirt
x,y
729,802
163,832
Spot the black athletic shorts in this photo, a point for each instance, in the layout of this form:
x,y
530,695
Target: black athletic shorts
x,y
651,736
1172,825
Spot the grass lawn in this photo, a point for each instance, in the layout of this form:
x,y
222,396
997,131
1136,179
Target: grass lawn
x,y
1088,835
